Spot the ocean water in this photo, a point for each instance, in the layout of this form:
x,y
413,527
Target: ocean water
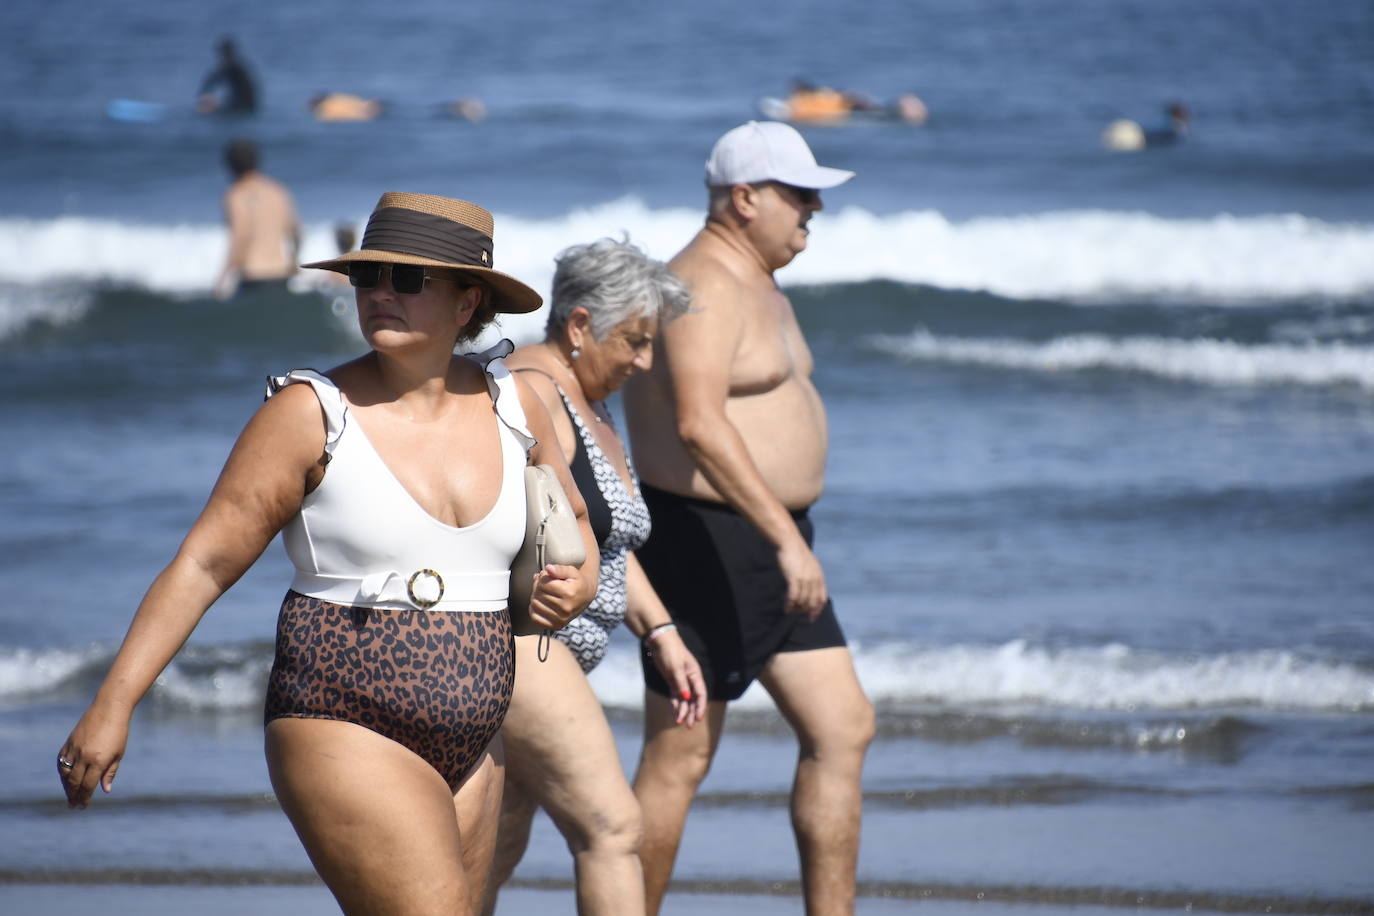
x,y
1100,500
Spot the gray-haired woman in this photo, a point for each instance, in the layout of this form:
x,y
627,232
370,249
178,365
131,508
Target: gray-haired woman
x,y
608,301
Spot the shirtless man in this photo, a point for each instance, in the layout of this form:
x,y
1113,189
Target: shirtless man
x,y
264,236
729,438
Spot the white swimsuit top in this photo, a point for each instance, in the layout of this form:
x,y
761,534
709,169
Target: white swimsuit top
x,y
360,538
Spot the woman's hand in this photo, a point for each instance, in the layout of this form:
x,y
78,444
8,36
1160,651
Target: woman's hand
x,y
93,750
560,593
681,670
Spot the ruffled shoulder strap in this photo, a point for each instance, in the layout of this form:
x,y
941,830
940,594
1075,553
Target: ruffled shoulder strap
x,y
331,400
504,394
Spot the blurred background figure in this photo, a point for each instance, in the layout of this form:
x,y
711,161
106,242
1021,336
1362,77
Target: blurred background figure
x,y
808,103
469,109
345,237
911,109
1125,135
330,283
343,106
264,234
228,88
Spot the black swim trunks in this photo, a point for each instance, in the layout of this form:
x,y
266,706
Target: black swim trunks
x,y
260,287
721,582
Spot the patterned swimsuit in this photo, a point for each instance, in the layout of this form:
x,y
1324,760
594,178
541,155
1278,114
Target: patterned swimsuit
x,y
437,682
620,521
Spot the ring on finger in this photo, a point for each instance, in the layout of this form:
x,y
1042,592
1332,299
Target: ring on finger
x,y
64,763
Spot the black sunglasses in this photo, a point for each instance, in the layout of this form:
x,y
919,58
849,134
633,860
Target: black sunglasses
x,y
406,279
806,196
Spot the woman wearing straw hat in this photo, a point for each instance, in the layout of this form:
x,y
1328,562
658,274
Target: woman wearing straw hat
x,y
397,481
608,301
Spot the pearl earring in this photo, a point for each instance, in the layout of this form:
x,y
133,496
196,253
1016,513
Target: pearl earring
x,y
576,353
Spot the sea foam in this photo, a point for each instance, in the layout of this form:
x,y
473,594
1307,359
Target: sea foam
x,y
1113,677
1013,674
1063,255
1203,360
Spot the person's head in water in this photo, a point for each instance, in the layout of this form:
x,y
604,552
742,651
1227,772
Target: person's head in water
x,y
241,156
345,237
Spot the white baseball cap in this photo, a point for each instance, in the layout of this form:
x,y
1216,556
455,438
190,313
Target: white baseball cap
x,y
768,151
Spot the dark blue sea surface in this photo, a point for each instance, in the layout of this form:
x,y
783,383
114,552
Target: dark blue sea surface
x,y
1099,504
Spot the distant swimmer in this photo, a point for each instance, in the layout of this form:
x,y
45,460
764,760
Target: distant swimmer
x,y
229,88
345,239
467,109
342,106
264,234
911,109
1125,135
824,105
817,103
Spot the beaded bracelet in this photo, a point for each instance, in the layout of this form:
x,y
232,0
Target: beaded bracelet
x,y
648,638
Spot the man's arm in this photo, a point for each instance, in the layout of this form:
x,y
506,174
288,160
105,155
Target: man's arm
x,y
699,348
206,100
212,79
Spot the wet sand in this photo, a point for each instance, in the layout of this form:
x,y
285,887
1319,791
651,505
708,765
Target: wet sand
x,y
279,900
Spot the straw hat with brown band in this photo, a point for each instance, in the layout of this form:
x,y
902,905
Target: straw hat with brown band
x,y
436,232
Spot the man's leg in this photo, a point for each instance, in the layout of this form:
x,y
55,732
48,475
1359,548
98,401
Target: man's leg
x,y
672,764
818,692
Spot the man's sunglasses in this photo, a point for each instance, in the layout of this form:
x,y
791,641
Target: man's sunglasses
x,y
406,279
807,197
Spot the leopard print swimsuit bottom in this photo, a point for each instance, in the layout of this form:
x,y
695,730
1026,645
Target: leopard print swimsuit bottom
x,y
437,682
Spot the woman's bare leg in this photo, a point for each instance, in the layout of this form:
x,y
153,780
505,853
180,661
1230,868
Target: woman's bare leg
x,y
517,815
478,804
560,750
377,821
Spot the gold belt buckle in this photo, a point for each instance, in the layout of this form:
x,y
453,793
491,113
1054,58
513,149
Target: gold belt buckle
x,y
424,603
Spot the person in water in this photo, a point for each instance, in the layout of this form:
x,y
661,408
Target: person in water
x,y
809,103
264,233
229,88
344,106
1125,135
1174,129
397,483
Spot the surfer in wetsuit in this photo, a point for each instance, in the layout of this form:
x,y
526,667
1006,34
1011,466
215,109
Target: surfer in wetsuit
x,y
240,94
